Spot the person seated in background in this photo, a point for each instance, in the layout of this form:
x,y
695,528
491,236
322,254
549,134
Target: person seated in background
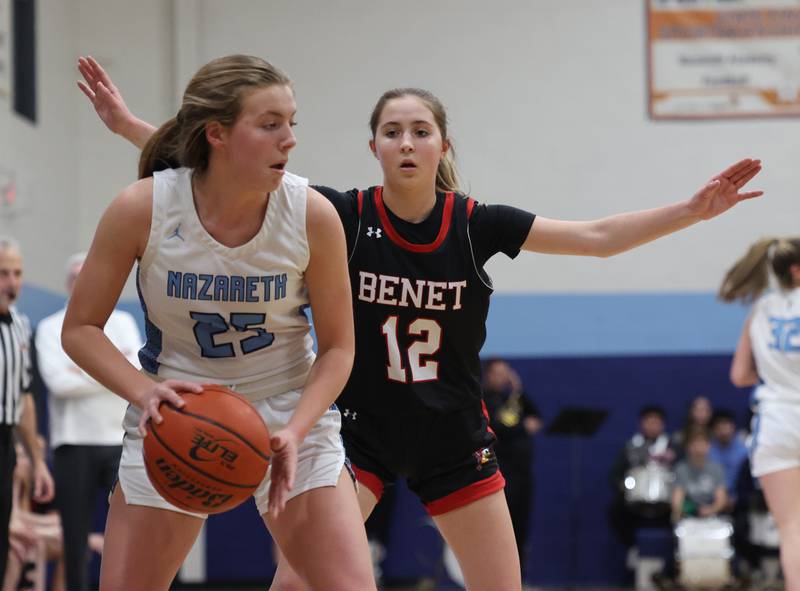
x,y
699,489
514,417
698,414
35,536
728,450
649,446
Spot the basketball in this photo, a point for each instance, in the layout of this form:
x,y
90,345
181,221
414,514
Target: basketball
x,y
210,455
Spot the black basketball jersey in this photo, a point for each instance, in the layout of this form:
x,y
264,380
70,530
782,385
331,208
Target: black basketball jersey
x,y
420,314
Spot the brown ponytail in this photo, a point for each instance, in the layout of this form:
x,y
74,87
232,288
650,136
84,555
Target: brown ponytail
x,y
161,150
749,276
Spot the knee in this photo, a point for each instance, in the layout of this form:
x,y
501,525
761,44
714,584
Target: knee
x,y
287,581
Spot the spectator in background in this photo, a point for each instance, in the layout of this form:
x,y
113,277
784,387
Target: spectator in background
x,y
699,481
699,491
34,537
649,444
17,410
514,417
698,414
85,427
728,450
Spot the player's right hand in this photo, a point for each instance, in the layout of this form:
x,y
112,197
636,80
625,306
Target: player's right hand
x,y
166,391
104,96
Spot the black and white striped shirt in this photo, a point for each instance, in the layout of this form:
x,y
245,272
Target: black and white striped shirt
x,y
15,364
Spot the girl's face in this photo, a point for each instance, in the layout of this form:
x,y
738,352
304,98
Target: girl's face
x,y
256,148
701,411
698,450
408,143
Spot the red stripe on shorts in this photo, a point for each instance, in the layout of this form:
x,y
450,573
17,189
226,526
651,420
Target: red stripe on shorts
x,y
486,414
368,479
468,494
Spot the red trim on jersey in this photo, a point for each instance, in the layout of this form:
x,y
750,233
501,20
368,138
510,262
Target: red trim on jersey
x,y
360,202
447,216
486,414
468,494
470,206
368,479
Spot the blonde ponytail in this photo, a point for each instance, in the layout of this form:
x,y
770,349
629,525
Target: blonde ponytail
x,y
749,276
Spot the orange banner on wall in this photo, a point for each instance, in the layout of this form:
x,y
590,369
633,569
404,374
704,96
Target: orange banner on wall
x,y
723,58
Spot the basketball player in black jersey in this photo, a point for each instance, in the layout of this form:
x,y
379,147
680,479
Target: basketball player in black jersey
x,y
412,406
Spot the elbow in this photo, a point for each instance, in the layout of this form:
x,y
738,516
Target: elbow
x,y
68,340
343,353
606,252
603,249
743,378
348,357
601,242
742,382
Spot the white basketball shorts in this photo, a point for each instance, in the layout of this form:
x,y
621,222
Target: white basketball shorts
x,y
320,457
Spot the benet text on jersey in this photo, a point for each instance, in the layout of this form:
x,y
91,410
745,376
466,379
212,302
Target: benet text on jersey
x,y
405,292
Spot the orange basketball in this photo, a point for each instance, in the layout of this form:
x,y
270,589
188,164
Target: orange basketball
x,y
210,455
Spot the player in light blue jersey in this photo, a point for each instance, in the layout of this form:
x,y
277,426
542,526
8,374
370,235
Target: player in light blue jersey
x,y
768,357
230,248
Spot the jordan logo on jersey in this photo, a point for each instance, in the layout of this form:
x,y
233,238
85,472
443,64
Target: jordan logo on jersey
x,y
349,414
374,232
176,233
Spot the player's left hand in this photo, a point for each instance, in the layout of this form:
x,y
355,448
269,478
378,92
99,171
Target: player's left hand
x,y
284,446
43,486
722,191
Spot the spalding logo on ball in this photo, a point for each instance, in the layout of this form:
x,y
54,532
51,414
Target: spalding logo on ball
x,y
210,455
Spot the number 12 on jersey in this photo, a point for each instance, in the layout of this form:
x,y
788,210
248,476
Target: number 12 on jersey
x,y
422,370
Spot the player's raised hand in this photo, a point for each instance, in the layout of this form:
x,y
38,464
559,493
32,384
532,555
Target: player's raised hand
x,y
723,191
104,96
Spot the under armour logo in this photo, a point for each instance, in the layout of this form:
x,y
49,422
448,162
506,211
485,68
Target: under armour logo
x,y
176,233
349,414
374,232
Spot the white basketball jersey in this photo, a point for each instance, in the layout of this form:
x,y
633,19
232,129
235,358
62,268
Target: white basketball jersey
x,y
775,335
233,316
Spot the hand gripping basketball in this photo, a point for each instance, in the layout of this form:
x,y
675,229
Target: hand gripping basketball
x,y
209,455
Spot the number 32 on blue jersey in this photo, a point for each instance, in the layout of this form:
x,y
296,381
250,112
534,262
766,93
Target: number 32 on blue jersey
x,y
785,334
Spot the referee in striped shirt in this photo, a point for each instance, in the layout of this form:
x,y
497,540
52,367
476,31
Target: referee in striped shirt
x,y
17,410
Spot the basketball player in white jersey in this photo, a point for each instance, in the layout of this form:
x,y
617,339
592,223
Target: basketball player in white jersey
x,y
231,249
768,357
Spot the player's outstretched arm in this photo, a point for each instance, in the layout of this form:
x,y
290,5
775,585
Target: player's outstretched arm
x,y
109,105
615,234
